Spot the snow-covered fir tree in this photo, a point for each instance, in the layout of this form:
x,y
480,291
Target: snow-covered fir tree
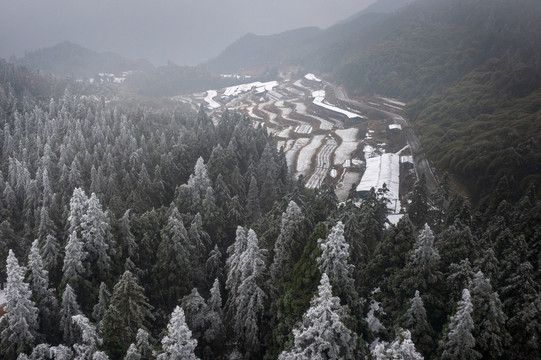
x,y
69,308
19,325
402,348
73,268
334,261
96,236
322,334
178,344
458,342
250,300
41,293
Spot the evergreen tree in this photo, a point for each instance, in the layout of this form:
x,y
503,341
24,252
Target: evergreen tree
x,y
172,261
70,308
19,325
51,254
97,237
334,262
288,247
233,266
195,307
178,343
458,342
73,261
322,334
253,210
250,300
129,306
41,293
401,348
215,333
415,320
78,207
104,298
141,349
418,208
214,265
490,333
89,341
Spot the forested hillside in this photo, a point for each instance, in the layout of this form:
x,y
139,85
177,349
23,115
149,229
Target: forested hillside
x,y
143,233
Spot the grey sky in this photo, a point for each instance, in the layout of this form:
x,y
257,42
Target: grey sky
x,y
183,31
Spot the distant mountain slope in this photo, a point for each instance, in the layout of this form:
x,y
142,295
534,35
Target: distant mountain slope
x,y
71,60
381,6
469,70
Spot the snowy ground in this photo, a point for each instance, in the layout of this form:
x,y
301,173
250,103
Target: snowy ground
x,y
344,184
312,77
291,153
240,89
348,146
210,99
304,161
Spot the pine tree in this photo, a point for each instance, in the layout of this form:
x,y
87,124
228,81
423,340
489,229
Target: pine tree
x,y
334,261
418,208
19,325
195,307
104,297
70,308
171,269
458,342
41,293
130,307
322,334
97,238
51,254
215,333
490,333
415,320
234,270
214,265
288,247
78,207
401,348
253,210
73,261
141,349
250,300
178,343
89,341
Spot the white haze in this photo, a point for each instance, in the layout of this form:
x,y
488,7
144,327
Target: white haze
x,y
186,32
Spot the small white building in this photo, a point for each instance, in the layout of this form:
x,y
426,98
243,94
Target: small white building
x,y
383,169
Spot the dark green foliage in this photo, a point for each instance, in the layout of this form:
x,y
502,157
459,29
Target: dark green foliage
x,y
298,292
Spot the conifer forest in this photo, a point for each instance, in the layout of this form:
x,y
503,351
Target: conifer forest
x,y
148,230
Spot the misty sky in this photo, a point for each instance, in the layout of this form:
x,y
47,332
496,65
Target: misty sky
x,y
183,31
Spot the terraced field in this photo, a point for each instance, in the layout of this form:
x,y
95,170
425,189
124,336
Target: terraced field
x,y
321,138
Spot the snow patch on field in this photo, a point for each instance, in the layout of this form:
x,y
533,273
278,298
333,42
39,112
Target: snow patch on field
x,y
343,186
304,161
210,99
291,153
319,97
383,169
348,146
259,88
395,126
